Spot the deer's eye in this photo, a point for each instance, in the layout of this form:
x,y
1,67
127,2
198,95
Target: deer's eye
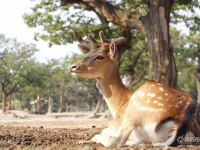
x,y
99,58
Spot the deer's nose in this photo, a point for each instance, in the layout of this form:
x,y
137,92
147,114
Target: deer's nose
x,y
73,67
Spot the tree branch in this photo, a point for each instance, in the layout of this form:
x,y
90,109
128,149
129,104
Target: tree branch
x,y
138,57
127,45
138,79
111,13
13,89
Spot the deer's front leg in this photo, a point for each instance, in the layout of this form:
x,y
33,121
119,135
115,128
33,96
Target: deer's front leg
x,y
114,137
107,137
123,136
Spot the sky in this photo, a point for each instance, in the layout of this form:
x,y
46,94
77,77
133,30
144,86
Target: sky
x,y
12,25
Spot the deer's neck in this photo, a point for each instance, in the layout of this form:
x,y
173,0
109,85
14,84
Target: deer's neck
x,y
114,92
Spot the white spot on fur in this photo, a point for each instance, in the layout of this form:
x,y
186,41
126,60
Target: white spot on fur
x,y
155,102
151,94
160,104
148,101
180,102
91,68
141,94
133,97
159,97
161,89
166,94
135,103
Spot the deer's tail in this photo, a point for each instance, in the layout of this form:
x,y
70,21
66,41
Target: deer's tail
x,y
191,123
194,126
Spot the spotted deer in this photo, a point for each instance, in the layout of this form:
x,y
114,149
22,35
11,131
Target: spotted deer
x,y
154,114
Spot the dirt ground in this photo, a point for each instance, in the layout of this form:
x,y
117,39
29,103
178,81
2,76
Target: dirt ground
x,y
56,133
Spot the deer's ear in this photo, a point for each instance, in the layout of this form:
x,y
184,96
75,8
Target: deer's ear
x,y
84,48
113,52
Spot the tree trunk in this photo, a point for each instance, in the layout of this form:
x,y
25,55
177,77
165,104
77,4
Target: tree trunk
x,y
198,76
133,81
162,63
6,102
4,99
8,106
61,96
98,105
97,108
49,105
1,95
198,87
67,108
38,104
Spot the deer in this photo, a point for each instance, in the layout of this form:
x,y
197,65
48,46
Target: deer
x,y
153,114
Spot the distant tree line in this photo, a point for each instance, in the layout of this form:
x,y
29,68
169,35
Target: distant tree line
x,y
26,84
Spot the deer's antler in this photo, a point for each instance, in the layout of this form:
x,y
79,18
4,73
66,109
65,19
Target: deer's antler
x,y
103,39
94,42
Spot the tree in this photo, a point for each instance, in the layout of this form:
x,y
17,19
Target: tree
x,y
60,77
134,63
39,79
78,90
187,57
194,45
15,59
151,17
48,80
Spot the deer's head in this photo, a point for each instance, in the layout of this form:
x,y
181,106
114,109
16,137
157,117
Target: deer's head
x,y
99,59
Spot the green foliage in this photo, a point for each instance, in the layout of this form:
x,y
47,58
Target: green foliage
x,y
14,61
186,52
79,89
134,62
57,25
24,78
61,25
186,12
